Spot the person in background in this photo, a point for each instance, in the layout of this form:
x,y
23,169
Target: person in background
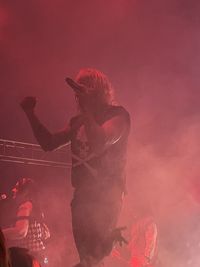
x,y
27,231
4,254
143,241
142,236
98,136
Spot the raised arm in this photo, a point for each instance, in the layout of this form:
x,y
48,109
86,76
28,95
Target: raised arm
x,y
45,138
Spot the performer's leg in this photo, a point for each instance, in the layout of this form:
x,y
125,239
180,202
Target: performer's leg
x,y
92,223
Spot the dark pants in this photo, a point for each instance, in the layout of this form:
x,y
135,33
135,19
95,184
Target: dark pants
x,y
94,216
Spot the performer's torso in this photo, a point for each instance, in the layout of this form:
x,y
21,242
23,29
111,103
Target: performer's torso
x,y
108,166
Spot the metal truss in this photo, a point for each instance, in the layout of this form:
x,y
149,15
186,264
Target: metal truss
x,y
32,154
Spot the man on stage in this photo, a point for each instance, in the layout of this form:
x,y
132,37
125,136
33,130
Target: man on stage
x,y
98,136
26,233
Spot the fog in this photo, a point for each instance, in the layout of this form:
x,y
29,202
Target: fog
x,y
150,52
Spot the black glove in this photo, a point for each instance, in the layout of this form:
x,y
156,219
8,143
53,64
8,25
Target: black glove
x,y
117,236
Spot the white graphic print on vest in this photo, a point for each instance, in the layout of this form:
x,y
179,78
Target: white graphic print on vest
x,y
84,152
84,148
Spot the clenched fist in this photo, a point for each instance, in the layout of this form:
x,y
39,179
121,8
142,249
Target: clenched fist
x,y
28,103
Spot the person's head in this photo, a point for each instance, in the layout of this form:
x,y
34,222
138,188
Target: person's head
x,y
98,85
4,257
24,189
21,257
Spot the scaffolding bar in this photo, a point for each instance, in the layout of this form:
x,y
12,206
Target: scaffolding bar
x,y
28,153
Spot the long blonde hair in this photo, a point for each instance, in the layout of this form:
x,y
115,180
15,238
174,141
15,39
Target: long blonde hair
x,y
97,81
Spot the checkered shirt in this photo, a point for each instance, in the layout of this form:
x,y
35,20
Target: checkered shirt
x,y
34,238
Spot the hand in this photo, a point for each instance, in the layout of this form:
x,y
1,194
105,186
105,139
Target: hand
x,y
77,123
117,236
28,103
